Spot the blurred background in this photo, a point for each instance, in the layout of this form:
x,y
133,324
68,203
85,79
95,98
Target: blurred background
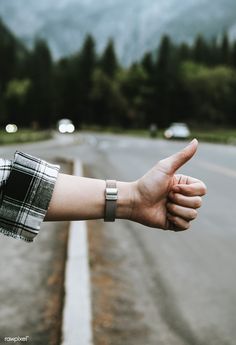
x,y
123,64
110,83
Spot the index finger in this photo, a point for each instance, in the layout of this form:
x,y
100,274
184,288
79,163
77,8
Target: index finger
x,y
196,188
184,179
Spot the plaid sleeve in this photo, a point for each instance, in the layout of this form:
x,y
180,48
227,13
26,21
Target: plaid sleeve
x,y
26,187
5,168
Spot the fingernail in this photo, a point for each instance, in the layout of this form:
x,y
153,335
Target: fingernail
x,y
193,141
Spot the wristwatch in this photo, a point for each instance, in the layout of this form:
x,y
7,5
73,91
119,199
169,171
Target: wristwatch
x,y
111,196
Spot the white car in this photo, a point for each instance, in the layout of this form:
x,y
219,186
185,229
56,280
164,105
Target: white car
x,y
177,130
65,126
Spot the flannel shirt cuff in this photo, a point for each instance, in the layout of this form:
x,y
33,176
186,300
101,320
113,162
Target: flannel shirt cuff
x,y
25,195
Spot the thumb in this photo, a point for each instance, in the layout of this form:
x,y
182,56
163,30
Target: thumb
x,y
174,162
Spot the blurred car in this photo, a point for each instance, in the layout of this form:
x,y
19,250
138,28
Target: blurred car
x,y
153,130
65,126
177,130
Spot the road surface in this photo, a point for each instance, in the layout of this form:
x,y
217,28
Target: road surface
x,y
32,284
185,283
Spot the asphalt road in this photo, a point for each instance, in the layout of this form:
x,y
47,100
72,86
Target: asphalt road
x,y
185,283
32,283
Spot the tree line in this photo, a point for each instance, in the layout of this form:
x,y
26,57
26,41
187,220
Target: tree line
x,y
195,83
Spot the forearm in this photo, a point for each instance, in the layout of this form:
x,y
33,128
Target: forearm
x,y
81,198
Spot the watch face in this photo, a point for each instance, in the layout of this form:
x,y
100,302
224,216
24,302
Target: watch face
x,y
111,193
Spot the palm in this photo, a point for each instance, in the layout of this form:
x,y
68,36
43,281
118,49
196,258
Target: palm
x,y
153,190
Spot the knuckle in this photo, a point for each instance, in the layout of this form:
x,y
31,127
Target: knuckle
x,y
194,214
169,206
183,155
178,198
174,208
187,226
191,190
198,202
174,220
164,166
183,227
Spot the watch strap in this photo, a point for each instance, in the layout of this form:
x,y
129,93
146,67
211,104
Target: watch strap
x,y
111,196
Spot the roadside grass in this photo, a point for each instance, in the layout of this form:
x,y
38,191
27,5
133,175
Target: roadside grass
x,y
23,136
213,135
226,136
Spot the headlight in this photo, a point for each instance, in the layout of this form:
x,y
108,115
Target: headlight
x,y
11,128
168,134
70,128
62,128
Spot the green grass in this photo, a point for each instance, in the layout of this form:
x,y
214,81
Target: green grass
x,y
23,136
226,136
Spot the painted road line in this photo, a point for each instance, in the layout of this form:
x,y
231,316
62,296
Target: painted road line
x,y
77,314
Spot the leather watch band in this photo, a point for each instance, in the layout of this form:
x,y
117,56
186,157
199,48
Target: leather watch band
x,y
111,196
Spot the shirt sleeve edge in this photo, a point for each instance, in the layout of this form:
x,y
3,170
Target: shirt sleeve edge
x,y
14,235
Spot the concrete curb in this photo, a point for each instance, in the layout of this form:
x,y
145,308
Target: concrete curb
x,y
77,314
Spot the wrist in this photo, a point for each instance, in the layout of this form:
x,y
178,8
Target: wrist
x,y
125,200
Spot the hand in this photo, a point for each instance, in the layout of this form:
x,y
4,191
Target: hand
x,y
162,199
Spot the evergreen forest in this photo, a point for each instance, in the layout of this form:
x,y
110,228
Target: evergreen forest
x,y
194,83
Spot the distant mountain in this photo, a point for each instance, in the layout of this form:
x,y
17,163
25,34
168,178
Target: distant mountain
x,y
135,25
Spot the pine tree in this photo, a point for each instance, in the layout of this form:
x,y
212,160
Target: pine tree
x,y
164,55
40,72
84,66
233,55
165,81
108,61
200,52
9,48
184,52
87,59
147,63
214,52
225,50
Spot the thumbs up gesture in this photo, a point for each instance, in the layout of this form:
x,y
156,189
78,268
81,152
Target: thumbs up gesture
x,y
166,200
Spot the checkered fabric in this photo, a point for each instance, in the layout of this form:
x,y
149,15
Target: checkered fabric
x,y
26,186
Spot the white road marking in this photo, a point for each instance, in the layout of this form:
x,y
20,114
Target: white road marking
x,y
77,314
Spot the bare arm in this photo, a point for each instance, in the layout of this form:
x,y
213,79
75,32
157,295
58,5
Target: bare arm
x,y
81,198
160,198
